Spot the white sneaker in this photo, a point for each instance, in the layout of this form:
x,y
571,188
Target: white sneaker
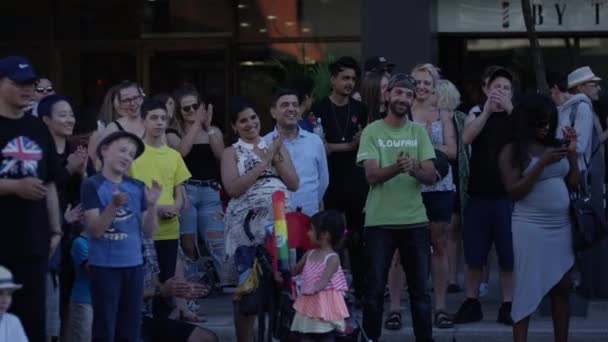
x,y
483,289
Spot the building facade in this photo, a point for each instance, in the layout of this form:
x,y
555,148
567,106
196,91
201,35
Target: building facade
x,y
248,47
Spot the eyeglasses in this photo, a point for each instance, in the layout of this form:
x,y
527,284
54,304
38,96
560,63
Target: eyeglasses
x,y
42,90
191,108
131,100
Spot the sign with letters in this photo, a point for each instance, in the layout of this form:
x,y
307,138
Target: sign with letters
x,y
507,16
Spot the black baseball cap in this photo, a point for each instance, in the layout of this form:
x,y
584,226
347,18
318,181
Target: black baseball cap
x,y
112,137
500,72
378,63
18,69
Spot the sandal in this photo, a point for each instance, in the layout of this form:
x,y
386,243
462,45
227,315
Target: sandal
x,y
393,321
443,320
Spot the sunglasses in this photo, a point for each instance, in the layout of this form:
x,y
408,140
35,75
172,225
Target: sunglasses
x,y
191,108
44,90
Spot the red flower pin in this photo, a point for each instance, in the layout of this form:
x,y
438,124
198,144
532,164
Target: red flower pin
x,y
353,119
312,119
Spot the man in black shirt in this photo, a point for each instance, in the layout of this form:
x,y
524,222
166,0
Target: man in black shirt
x,y
487,215
343,119
29,207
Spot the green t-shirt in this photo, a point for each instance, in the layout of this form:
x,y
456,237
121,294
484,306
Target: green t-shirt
x,y
396,202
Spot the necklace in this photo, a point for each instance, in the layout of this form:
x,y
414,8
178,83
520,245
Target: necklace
x,y
345,130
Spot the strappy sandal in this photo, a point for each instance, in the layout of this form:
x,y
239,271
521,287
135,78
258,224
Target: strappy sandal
x,y
443,320
393,321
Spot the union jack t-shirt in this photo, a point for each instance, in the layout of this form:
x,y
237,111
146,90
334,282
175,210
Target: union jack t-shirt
x,y
26,150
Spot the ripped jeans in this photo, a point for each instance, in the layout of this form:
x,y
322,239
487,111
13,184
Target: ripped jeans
x,y
204,215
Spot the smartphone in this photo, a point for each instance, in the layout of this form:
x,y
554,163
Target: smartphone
x,y
562,142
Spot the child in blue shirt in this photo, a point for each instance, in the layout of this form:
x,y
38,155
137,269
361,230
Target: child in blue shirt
x,y
117,210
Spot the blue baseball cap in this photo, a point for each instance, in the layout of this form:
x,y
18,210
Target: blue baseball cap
x,y
17,69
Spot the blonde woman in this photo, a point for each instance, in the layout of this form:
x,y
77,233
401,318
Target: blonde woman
x,y
448,99
439,197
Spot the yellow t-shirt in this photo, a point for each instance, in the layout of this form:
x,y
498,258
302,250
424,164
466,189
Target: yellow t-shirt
x,y
166,166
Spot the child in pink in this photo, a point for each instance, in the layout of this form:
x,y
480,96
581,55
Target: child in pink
x,y
320,308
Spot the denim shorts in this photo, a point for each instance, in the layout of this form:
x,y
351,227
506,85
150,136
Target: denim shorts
x,y
439,205
487,221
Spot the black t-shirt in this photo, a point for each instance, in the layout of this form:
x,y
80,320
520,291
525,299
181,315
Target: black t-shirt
x,y
68,185
485,179
26,150
340,124
201,163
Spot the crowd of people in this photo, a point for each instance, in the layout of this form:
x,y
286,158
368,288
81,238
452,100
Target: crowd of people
x,y
106,221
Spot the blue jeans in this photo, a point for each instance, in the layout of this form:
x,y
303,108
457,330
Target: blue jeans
x,y
117,295
415,250
204,215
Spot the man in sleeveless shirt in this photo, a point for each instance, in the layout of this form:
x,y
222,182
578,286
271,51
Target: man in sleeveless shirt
x,y
343,119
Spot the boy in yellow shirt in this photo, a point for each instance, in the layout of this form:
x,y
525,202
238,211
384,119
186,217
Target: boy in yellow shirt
x,y
164,164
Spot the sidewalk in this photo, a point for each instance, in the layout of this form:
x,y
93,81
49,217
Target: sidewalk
x,y
593,328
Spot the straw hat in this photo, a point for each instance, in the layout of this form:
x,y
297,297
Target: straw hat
x,y
6,280
580,76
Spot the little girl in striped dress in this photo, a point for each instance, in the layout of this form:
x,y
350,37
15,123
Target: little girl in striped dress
x,y
320,307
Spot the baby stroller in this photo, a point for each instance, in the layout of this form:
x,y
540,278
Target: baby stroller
x,y
297,225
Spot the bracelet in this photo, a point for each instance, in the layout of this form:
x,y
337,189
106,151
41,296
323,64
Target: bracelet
x,y
212,131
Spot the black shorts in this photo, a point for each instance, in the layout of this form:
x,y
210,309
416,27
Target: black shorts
x,y
161,330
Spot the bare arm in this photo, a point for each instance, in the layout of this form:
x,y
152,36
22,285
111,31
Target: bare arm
x,y
150,221
7,186
516,183
185,144
52,206
344,147
285,169
234,184
179,193
297,269
473,126
173,141
425,172
98,222
376,174
449,147
216,141
572,179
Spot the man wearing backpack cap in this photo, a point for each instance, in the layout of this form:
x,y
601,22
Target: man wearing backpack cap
x,y
29,208
397,157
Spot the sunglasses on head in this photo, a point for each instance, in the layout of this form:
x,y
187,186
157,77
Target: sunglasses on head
x,y
191,108
44,90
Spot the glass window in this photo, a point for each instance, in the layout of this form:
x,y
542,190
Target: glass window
x,y
188,16
298,18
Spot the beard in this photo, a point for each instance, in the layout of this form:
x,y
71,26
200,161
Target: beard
x,y
399,109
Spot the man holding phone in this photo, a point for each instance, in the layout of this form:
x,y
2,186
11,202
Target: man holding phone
x,y
487,215
397,156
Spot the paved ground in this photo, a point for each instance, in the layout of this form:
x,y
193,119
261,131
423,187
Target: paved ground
x,y
593,328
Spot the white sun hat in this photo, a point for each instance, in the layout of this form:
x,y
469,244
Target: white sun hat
x,y
580,76
6,280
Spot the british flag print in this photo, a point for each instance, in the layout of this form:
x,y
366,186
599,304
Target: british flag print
x,y
20,158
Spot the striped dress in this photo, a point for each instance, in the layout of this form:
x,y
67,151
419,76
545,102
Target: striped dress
x,y
324,311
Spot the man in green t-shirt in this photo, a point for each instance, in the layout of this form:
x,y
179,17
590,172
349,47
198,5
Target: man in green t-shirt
x,y
397,157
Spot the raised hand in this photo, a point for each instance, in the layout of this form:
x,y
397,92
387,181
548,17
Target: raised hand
x,y
73,215
77,161
570,136
553,155
207,117
30,188
153,193
119,198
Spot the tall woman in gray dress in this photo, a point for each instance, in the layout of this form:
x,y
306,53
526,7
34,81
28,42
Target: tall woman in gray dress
x,y
537,171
